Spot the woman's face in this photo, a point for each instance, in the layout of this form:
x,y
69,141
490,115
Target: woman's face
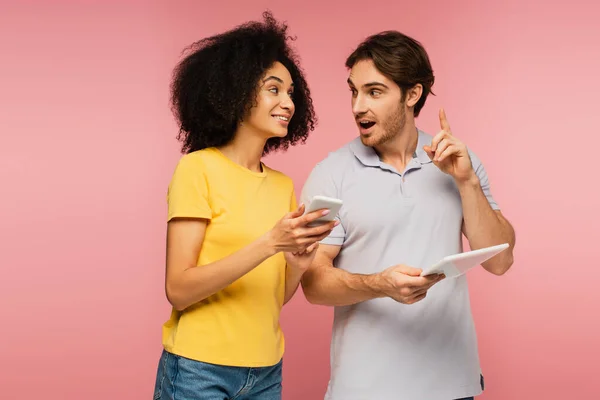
x,y
274,106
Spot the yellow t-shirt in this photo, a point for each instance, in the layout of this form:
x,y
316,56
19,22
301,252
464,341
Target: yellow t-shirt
x,y
238,326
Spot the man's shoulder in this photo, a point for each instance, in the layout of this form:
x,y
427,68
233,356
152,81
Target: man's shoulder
x,y
335,159
427,136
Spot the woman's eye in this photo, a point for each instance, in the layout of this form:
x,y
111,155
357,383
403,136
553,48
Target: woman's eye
x,y
274,90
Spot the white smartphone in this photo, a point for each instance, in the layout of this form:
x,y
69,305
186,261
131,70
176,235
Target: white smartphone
x,y
457,264
323,202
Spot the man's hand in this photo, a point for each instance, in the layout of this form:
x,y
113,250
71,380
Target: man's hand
x,y
449,154
403,283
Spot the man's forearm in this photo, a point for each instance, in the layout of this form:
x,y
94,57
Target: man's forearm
x,y
326,285
484,227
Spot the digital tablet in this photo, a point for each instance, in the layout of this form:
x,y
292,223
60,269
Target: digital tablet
x,y
457,264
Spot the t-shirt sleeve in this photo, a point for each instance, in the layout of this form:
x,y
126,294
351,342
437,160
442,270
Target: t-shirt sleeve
x,y
187,195
321,183
483,180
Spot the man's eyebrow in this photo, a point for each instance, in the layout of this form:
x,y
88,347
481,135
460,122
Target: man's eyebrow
x,y
372,84
369,84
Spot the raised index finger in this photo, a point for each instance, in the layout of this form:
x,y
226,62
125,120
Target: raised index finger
x,y
444,121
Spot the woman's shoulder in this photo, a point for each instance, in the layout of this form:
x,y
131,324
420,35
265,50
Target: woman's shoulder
x,y
198,158
276,174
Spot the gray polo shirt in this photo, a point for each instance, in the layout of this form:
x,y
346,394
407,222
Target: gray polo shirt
x,y
382,349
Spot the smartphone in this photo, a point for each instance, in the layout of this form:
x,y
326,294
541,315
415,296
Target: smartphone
x,y
323,202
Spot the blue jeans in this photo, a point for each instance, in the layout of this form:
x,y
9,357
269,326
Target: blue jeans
x,y
180,378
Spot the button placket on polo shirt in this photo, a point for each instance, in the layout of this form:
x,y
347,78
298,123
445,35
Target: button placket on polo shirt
x,y
413,165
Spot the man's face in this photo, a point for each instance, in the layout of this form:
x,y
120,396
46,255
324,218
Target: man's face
x,y
377,104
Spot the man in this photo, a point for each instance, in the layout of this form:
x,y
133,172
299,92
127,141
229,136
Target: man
x,y
407,196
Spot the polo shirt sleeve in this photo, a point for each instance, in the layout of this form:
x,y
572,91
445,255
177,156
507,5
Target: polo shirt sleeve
x,y
320,182
483,180
187,196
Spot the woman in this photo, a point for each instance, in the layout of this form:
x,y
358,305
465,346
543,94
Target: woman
x,y
237,245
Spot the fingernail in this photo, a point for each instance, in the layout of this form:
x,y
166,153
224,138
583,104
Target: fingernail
x,y
336,223
325,212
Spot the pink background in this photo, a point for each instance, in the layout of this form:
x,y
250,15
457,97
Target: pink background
x,y
87,147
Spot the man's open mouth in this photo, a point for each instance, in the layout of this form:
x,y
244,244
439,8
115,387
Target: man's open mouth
x,y
367,124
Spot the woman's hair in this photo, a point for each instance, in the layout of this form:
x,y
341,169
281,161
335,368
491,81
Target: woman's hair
x,y
215,85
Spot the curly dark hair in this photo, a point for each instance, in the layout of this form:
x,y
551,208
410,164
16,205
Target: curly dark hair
x,y
215,86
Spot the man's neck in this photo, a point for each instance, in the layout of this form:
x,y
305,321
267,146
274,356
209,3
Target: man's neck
x,y
399,150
